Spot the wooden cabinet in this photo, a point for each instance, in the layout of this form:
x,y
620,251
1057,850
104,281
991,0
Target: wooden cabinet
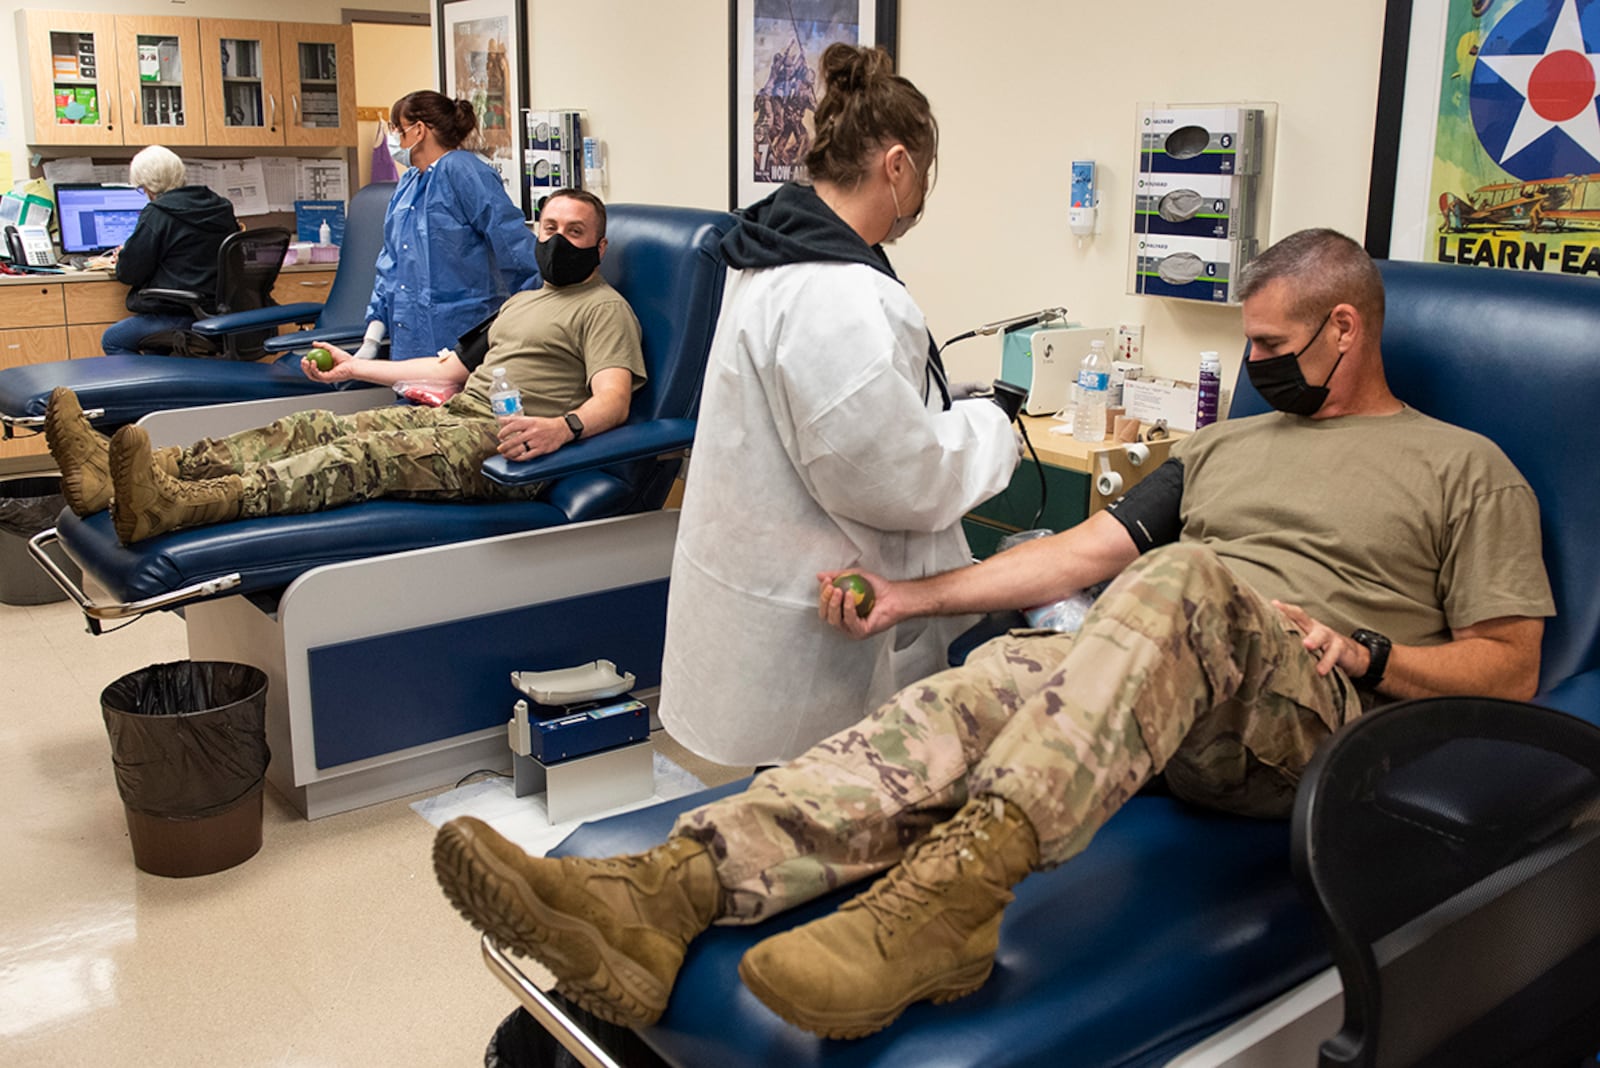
x,y
97,79
159,74
71,62
319,79
245,78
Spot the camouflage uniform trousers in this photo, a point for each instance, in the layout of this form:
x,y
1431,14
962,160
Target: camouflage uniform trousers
x,y
1178,668
310,461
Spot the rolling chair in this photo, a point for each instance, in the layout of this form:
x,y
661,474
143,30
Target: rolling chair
x,y
1451,847
342,318
248,263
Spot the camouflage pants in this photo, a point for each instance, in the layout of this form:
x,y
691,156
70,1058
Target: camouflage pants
x,y
310,461
1178,668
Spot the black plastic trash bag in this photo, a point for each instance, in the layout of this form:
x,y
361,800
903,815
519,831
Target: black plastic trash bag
x,y
188,739
29,505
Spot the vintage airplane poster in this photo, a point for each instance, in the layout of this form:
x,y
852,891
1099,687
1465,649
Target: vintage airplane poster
x,y
1516,167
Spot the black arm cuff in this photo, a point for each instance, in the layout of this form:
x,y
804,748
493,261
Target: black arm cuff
x,y
473,346
1151,511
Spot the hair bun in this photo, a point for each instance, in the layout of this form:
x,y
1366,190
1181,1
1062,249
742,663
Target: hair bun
x,y
850,69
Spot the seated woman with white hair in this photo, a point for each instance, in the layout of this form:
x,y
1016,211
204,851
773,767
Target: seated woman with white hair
x,y
174,246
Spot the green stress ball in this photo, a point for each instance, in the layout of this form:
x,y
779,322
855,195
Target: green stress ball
x,y
859,590
322,358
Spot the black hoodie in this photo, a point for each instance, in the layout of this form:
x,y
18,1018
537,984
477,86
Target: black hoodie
x,y
793,225
174,246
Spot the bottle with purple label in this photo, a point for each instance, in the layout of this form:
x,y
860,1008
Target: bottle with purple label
x,y
1210,388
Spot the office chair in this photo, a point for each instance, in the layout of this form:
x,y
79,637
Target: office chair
x,y
247,268
1452,849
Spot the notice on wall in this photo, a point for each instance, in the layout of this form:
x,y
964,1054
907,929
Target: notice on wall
x,y
244,185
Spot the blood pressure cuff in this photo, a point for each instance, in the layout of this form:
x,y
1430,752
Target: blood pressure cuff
x,y
473,346
1152,510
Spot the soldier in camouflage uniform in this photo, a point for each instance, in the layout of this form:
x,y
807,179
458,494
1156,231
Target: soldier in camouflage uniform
x,y
572,346
1198,661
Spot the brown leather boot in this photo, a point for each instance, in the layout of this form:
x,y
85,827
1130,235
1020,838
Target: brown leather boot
x,y
147,501
80,451
613,931
926,931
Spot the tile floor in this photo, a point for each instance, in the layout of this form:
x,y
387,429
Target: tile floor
x,y
333,946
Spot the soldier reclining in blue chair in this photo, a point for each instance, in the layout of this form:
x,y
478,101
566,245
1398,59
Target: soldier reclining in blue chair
x,y
572,346
1280,576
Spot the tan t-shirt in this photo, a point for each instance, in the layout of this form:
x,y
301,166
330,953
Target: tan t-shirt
x,y
553,340
1401,524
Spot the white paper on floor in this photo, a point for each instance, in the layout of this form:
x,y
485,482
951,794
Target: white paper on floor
x,y
525,820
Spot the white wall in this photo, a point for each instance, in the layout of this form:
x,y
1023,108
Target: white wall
x,y
1020,87
391,61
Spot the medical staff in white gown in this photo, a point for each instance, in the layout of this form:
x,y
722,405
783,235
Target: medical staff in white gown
x,y
824,440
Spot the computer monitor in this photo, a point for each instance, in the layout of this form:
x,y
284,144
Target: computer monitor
x,y
96,217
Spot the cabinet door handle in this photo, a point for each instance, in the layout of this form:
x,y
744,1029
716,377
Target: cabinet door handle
x,y
294,101
133,104
273,122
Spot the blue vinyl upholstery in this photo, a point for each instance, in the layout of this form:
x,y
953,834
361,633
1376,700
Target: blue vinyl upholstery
x,y
663,260
1176,921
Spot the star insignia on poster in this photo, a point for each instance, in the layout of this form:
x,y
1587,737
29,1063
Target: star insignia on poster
x,y
1534,92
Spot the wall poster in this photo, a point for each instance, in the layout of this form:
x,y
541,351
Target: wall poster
x,y
1498,154
480,60
776,48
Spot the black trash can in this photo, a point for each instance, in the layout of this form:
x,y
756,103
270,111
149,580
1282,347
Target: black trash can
x,y
189,746
27,506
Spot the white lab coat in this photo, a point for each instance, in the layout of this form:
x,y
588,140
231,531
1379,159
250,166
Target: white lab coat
x,y
816,450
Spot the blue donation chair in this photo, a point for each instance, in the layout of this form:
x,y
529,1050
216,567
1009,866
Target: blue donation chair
x,y
1179,936
389,627
117,390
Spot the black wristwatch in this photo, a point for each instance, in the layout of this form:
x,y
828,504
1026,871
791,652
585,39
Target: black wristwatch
x,y
574,424
1378,651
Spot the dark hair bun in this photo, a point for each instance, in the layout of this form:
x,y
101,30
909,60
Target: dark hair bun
x,y
849,69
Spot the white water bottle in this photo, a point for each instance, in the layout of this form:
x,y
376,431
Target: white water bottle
x,y
504,398
1210,389
1094,382
324,234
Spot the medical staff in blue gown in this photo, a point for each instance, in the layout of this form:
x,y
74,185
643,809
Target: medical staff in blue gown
x,y
454,244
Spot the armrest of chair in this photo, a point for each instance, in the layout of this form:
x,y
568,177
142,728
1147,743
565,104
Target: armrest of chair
x,y
195,302
345,337
256,319
635,441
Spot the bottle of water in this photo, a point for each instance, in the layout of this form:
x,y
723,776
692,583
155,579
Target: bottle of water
x,y
1094,380
1210,388
504,398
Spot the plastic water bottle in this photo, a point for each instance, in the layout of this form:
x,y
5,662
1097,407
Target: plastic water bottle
x,y
324,233
1094,381
504,398
1210,388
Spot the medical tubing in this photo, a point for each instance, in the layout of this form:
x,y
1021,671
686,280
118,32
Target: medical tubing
x,y
1044,487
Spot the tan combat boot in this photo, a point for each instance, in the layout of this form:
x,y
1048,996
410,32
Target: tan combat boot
x,y
80,451
147,501
613,931
926,931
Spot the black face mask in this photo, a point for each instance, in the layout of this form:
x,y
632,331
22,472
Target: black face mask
x,y
1281,384
562,263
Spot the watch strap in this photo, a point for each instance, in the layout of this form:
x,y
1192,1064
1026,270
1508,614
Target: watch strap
x,y
1378,654
574,424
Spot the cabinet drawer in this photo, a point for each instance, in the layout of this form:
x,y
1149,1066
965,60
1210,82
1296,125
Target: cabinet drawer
x,y
83,339
96,302
302,286
40,344
31,305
